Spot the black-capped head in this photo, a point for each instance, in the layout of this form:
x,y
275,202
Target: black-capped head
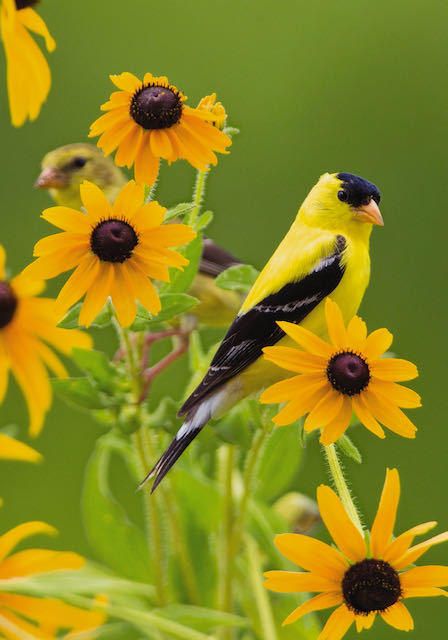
x,y
357,191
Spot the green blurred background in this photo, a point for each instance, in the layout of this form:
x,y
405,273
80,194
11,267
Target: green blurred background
x,y
353,85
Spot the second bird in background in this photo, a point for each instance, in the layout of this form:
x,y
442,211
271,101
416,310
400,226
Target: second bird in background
x,y
63,171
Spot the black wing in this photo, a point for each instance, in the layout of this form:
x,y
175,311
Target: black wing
x,y
215,259
258,328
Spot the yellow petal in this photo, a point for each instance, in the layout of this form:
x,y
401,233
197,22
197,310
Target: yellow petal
x,y
295,360
401,544
13,537
11,449
295,582
398,617
318,603
377,343
337,624
383,526
32,21
122,298
365,621
429,576
424,592
415,552
2,262
367,419
396,393
312,555
97,205
171,235
36,561
76,286
67,219
97,295
341,528
388,414
292,388
149,216
306,339
126,81
129,200
146,164
336,428
161,144
393,369
335,324
325,411
357,333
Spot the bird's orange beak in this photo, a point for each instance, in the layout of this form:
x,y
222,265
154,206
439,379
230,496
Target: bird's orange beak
x,y
370,213
51,178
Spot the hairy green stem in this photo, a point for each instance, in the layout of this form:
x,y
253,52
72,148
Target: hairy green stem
x,y
225,568
198,196
340,483
262,601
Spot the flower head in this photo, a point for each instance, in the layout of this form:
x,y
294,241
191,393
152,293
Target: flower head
x,y
28,73
116,249
35,617
148,120
209,103
366,575
340,377
27,331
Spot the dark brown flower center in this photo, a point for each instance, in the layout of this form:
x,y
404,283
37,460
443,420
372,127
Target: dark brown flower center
x,y
23,4
348,373
371,585
113,240
156,107
8,304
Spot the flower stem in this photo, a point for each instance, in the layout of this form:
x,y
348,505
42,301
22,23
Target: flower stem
x,y
225,559
198,196
337,475
267,622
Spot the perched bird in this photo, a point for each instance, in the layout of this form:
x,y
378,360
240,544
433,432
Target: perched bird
x,y
326,251
63,171
65,168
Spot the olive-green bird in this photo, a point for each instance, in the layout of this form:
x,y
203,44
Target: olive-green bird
x,y
63,171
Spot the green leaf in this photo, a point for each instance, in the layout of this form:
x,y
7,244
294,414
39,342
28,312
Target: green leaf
x,y
349,449
173,304
279,463
179,210
204,220
240,278
97,366
117,541
182,280
79,392
200,618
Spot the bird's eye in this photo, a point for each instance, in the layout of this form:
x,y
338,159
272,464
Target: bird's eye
x,y
376,197
79,162
343,195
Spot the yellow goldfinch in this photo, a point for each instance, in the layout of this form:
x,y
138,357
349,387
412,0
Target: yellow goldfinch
x,y
326,251
63,171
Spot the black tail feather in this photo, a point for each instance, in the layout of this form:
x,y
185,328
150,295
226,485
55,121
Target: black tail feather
x,y
169,458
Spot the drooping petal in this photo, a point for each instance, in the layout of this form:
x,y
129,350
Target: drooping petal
x,y
341,528
401,544
398,616
415,552
337,624
389,414
396,393
337,427
11,449
312,555
383,525
366,418
318,603
325,411
13,537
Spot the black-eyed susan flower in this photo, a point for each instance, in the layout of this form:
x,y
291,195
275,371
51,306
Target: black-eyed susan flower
x,y
149,120
28,74
116,250
24,616
342,376
216,108
366,575
28,328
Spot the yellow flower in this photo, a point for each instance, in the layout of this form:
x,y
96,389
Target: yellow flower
x,y
34,617
208,103
344,376
116,249
364,576
27,328
149,120
28,73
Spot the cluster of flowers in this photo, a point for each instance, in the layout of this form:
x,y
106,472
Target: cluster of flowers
x,y
116,251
